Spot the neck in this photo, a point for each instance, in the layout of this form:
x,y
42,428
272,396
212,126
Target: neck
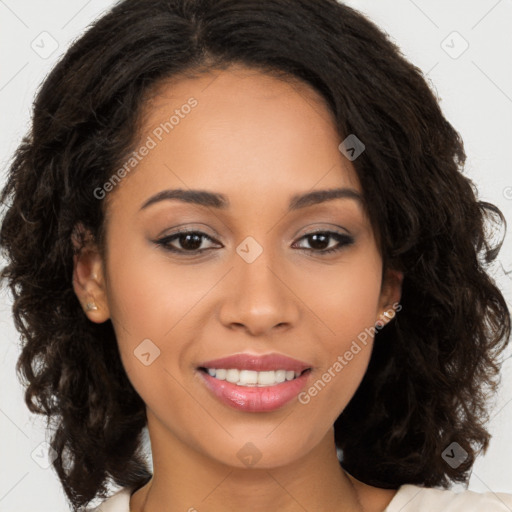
x,y
185,479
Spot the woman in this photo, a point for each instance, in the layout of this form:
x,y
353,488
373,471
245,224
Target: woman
x,y
243,225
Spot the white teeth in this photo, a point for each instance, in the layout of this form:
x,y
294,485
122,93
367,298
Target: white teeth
x,y
280,375
266,378
252,378
232,375
248,377
221,374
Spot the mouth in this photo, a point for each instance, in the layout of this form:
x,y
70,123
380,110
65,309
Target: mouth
x,y
255,382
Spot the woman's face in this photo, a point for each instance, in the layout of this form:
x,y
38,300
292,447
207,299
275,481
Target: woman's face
x,y
253,279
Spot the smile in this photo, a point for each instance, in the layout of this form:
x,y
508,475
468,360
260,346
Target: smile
x,y
255,382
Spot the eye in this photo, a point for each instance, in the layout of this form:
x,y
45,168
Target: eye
x,y
191,242
320,241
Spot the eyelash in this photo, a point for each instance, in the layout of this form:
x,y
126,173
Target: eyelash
x,y
342,238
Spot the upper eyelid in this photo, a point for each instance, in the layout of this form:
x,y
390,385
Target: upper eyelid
x,y
330,227
212,237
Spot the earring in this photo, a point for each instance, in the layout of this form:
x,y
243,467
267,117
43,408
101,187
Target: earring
x,y
91,306
389,314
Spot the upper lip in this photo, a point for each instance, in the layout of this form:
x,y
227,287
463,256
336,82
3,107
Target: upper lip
x,y
265,362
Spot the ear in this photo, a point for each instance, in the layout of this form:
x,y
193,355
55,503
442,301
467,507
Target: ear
x,y
389,301
89,276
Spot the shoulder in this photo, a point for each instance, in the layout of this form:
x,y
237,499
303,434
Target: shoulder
x,y
118,502
414,498
409,498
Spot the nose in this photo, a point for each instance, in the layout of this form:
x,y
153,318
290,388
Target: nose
x,y
258,298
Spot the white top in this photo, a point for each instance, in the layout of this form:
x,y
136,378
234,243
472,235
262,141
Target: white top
x,y
409,498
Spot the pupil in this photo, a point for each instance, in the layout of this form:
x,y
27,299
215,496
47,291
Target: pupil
x,y
319,241
187,243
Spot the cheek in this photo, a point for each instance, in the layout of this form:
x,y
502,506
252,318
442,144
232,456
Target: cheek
x,y
347,304
154,311
344,297
148,295
149,317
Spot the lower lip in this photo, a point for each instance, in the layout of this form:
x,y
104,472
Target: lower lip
x,y
254,398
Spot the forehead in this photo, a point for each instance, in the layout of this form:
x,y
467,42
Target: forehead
x,y
239,130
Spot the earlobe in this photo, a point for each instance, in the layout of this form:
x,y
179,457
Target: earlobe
x,y
390,297
88,275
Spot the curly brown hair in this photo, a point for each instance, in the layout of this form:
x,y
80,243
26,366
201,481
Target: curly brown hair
x,y
432,369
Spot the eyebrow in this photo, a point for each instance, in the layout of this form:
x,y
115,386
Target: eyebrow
x,y
220,201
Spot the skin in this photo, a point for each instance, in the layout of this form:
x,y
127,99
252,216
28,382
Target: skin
x,y
258,140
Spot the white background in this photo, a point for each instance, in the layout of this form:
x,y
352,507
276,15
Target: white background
x,y
476,96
